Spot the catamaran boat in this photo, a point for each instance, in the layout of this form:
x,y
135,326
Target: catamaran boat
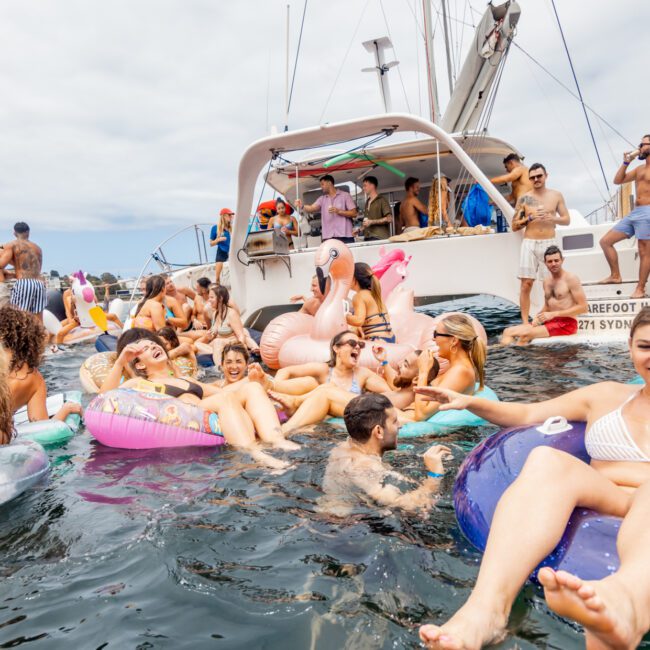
x,y
264,273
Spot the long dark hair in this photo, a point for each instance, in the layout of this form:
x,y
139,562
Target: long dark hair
x,y
134,335
154,286
6,411
335,341
169,334
367,280
234,347
223,298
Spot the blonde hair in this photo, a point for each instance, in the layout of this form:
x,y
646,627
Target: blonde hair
x,y
461,327
223,224
641,319
6,411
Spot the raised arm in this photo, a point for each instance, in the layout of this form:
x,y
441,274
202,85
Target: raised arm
x,y
622,174
507,178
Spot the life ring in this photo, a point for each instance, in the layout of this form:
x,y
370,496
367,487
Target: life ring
x,y
130,419
95,369
588,546
50,432
22,464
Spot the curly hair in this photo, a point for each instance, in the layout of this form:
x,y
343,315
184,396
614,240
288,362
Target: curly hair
x,y
23,336
6,411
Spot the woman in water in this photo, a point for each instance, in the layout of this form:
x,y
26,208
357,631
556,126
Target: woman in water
x,y
370,313
241,413
220,237
284,223
150,311
533,512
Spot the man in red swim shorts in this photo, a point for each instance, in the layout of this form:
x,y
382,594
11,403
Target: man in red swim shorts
x,y
564,299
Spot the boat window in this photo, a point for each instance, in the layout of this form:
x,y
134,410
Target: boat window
x,y
576,242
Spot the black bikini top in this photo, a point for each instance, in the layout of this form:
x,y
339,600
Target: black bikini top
x,y
192,389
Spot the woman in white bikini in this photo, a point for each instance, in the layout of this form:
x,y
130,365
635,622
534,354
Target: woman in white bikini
x,y
533,512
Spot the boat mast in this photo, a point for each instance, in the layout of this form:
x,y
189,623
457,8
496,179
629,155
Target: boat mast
x,y
431,69
378,46
446,26
286,77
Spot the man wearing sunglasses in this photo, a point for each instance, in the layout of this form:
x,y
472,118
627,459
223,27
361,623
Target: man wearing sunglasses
x,y
636,224
537,213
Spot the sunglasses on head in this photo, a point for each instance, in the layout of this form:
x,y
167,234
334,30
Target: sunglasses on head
x,y
353,343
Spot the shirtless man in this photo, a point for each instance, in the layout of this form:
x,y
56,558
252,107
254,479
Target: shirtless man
x,y
538,212
176,302
411,207
517,176
636,224
26,257
355,470
310,304
564,299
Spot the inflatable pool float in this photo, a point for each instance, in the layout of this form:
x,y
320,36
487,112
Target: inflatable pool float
x,y
130,419
588,546
637,380
95,369
49,432
22,464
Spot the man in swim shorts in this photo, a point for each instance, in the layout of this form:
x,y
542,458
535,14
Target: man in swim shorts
x,y
564,299
517,176
411,207
356,473
28,294
636,224
537,212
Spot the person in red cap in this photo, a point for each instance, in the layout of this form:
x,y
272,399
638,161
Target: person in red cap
x,y
220,237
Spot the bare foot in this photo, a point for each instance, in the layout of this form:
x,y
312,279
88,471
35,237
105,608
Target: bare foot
x,y
289,403
611,279
267,460
471,628
283,443
639,293
256,373
603,607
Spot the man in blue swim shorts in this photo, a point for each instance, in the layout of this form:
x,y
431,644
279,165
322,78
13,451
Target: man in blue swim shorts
x,y
636,224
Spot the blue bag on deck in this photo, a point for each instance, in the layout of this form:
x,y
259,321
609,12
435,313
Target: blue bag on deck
x,y
476,207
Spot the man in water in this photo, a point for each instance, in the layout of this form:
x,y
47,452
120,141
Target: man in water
x,y
310,304
28,294
337,210
538,212
564,299
377,215
636,224
411,207
517,176
355,470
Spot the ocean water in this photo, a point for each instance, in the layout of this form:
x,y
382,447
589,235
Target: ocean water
x,y
203,549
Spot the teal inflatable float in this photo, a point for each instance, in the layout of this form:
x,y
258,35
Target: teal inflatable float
x,y
637,380
49,432
442,421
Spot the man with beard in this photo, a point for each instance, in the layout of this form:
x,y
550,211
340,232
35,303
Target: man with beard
x,y
636,224
356,472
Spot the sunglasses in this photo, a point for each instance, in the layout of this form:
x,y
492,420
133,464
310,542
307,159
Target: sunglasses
x,y
643,144
437,334
536,177
354,344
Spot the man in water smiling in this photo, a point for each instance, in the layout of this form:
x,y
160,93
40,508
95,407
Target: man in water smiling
x,y
355,469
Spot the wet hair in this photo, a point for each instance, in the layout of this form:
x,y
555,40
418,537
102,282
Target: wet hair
x,y
372,180
511,157
204,283
461,327
155,286
21,228
336,340
235,347
327,177
410,182
643,317
169,334
134,335
433,373
23,335
537,166
223,298
368,280
363,413
6,408
553,250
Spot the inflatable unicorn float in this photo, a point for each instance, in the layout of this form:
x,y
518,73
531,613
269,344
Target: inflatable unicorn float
x,y
83,298
295,338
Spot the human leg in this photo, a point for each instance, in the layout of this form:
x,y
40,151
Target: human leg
x,y
528,523
524,298
515,332
644,268
218,267
615,611
618,233
325,400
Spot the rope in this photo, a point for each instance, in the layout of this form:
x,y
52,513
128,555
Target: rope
x,y
295,63
575,78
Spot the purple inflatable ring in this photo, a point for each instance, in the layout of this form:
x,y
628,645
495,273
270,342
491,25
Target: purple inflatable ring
x,y
588,546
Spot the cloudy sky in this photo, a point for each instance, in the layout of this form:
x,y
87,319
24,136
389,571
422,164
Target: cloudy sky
x,y
122,121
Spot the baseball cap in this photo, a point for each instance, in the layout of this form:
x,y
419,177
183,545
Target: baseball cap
x,y
226,211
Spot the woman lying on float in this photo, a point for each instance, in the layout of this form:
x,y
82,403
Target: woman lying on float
x,y
532,514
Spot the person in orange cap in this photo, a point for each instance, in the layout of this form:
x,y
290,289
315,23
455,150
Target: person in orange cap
x,y
220,237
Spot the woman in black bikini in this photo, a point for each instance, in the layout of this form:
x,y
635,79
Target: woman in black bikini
x,y
241,413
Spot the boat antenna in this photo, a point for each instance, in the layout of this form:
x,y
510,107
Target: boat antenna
x,y
378,46
584,108
295,64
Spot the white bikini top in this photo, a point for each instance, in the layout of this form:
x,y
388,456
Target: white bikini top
x,y
609,438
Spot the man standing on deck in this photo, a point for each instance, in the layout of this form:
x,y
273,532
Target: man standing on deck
x,y
411,207
564,299
337,210
377,215
636,224
538,212
517,176
28,294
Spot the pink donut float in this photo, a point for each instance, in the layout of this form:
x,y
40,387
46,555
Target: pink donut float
x,y
130,419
